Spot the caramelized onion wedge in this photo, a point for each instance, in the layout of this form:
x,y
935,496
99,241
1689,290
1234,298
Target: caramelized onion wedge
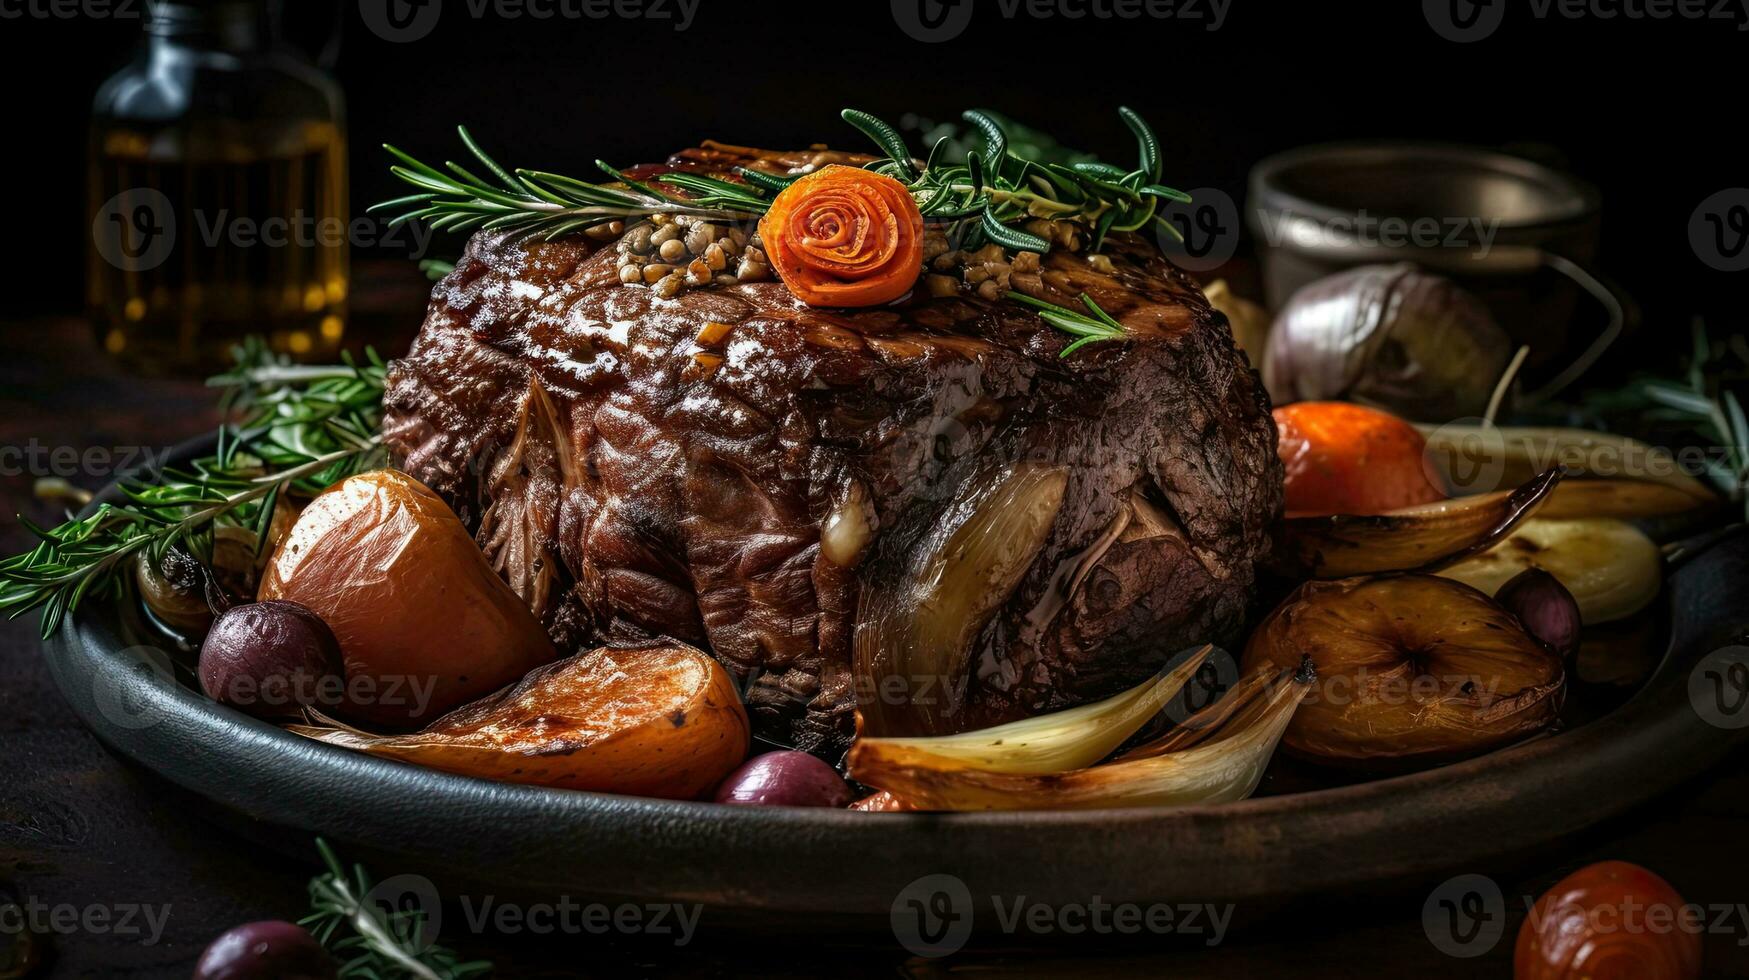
x,y
916,623
1416,670
1221,771
662,719
1649,480
1421,539
1233,712
1072,739
1610,566
1624,499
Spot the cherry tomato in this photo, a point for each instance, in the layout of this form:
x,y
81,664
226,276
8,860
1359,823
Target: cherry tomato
x,y
1348,459
1610,921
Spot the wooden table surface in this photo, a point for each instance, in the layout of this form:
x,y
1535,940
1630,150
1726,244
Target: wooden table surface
x,y
80,830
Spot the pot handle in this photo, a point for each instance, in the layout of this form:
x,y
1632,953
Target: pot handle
x,y
1516,260
1614,302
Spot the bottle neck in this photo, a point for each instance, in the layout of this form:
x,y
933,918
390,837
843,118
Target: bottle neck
x,y
237,26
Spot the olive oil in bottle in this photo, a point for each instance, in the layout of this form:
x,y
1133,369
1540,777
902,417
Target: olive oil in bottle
x,y
217,195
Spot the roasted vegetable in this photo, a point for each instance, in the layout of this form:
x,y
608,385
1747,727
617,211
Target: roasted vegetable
x,y
1341,458
1545,608
1612,569
1415,670
271,659
1610,921
423,622
1070,739
1607,475
1224,768
1389,336
661,719
784,779
1421,538
914,639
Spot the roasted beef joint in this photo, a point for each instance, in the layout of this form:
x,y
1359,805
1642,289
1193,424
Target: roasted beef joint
x,y
919,509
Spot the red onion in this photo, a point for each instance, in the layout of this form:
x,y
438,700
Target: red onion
x,y
1546,609
785,779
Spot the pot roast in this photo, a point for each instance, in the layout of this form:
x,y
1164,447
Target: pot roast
x,y
919,508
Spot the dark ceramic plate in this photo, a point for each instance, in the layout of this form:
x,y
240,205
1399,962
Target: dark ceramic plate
x,y
848,867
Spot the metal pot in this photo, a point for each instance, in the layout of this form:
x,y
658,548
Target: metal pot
x,y
1491,221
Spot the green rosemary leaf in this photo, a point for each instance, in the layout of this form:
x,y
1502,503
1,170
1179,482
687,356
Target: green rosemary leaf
x,y
1100,229
1012,238
717,193
1168,193
936,154
1148,146
884,136
637,185
995,140
1170,228
770,182
503,175
1090,329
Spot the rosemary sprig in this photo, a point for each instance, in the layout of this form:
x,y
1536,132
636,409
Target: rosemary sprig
x,y
1090,329
983,197
534,201
297,428
375,943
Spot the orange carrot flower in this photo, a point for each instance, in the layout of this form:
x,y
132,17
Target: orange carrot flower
x,y
844,236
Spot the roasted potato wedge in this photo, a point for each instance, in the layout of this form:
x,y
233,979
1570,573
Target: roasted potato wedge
x,y
1413,670
660,719
424,623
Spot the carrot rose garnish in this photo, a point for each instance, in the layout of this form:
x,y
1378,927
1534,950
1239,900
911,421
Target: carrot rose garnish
x,y
844,237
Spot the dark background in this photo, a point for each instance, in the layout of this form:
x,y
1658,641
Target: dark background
x,y
1645,109
1642,108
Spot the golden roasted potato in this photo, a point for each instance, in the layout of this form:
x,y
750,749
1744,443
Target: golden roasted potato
x,y
660,719
424,623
